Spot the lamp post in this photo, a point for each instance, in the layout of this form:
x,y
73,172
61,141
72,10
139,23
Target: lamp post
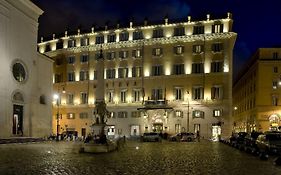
x,y
187,122
56,98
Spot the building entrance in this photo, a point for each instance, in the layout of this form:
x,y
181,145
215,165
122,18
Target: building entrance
x,y
18,120
216,132
157,127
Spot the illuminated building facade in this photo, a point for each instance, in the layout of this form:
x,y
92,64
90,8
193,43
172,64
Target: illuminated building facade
x,y
26,75
256,93
169,77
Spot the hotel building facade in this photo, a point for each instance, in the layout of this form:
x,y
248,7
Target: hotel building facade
x,y
169,77
257,91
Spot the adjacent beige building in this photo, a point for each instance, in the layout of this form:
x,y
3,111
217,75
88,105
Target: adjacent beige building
x,y
257,91
168,77
26,75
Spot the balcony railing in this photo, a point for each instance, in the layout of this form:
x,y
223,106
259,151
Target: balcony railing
x,y
156,103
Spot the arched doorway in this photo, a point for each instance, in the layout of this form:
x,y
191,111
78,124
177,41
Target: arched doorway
x,y
18,101
274,121
157,124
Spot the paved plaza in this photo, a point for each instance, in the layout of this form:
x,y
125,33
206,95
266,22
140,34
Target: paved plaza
x,y
134,158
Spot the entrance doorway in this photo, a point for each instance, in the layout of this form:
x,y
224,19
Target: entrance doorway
x,y
157,127
18,120
135,130
216,132
83,132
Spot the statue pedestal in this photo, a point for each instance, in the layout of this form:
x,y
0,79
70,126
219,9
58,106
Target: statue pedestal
x,y
98,129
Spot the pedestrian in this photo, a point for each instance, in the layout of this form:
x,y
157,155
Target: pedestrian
x,y
198,136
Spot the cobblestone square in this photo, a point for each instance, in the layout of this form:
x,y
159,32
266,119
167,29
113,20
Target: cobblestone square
x,y
134,158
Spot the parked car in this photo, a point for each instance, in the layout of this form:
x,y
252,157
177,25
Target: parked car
x,y
250,142
237,139
151,137
269,143
183,136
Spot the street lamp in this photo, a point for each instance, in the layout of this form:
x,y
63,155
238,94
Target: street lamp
x,y
187,122
56,98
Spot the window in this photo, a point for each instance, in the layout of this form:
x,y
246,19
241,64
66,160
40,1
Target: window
x,y
216,93
71,76
157,33
157,70
135,114
42,99
70,98
84,41
178,113
70,116
217,47
124,36
179,31
123,54
58,62
198,93
19,72
275,69
95,75
71,43
197,68
178,93
136,71
110,96
157,52
178,69
83,115
178,50
122,114
84,58
275,55
275,100
137,53
84,98
199,29
177,128
84,75
110,55
112,114
157,94
198,114
217,112
122,72
217,28
197,49
123,96
137,35
111,38
110,73
98,55
274,84
217,66
71,60
136,95
99,39
58,78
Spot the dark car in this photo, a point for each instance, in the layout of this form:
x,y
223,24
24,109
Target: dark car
x,y
250,142
269,143
237,139
151,137
183,137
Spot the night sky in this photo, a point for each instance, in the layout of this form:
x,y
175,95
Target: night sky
x,y
257,22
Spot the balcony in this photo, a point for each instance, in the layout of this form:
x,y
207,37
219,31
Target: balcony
x,y
155,104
